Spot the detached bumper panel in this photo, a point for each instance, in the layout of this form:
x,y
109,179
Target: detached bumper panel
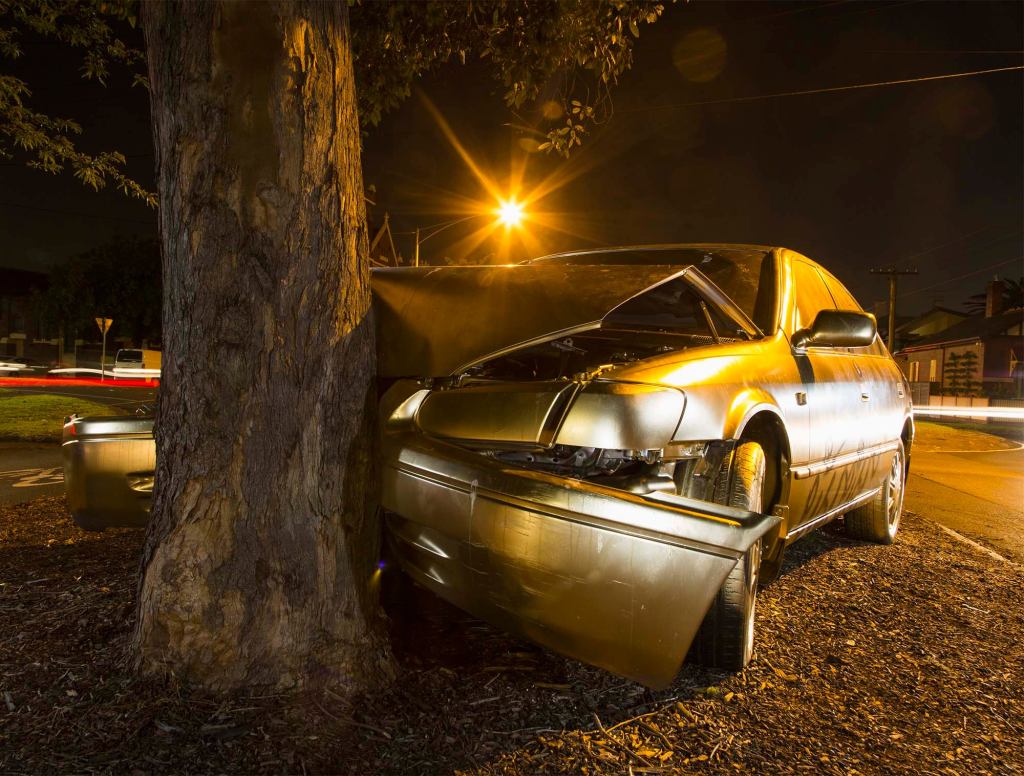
x,y
611,578
108,473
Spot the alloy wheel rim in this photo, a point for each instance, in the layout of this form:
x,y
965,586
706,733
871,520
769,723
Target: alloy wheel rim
x,y
754,565
894,501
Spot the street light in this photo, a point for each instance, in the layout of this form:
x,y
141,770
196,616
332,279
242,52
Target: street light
x,y
509,212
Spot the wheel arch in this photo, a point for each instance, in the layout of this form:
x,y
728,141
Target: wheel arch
x,y
907,435
764,424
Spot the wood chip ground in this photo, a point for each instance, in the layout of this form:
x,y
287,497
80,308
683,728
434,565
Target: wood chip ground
x,y
876,660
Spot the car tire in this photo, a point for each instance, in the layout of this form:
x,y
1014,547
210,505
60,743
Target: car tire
x,y
726,636
879,519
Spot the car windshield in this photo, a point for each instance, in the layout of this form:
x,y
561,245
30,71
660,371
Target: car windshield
x,y
737,271
129,355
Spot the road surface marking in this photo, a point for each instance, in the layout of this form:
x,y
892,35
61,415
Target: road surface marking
x,y
34,478
960,537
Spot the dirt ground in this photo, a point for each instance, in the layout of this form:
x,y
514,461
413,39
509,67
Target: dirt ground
x,y
902,659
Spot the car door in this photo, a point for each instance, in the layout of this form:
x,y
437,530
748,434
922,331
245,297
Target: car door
x,y
882,396
828,478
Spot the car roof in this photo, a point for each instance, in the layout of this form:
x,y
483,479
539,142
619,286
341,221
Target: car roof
x,y
657,247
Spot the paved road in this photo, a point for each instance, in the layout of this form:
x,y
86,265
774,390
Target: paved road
x,y
128,398
28,471
978,494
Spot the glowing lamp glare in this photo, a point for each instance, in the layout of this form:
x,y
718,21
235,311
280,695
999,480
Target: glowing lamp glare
x,y
510,213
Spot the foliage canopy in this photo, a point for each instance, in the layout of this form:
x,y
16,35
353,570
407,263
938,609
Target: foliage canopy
x,y
119,280
1013,297
558,59
48,143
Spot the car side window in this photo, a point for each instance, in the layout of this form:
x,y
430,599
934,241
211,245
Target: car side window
x,y
843,298
846,301
812,295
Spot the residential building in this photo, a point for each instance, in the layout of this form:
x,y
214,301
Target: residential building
x,y
996,340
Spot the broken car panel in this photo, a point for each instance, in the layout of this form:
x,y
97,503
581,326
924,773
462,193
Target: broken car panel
x,y
566,466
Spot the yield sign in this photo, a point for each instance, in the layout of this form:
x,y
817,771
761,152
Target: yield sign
x,y
104,324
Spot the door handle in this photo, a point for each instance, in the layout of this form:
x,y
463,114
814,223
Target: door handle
x,y
864,396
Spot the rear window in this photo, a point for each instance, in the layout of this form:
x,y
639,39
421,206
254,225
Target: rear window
x,y
129,355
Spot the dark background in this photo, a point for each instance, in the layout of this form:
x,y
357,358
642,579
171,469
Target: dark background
x,y
926,174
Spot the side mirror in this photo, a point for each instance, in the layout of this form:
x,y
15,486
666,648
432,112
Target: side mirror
x,y
837,329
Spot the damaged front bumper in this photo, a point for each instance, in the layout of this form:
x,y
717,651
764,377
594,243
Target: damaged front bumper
x,y
108,470
612,578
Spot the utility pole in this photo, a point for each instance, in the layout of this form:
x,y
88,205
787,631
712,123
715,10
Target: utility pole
x,y
416,255
893,273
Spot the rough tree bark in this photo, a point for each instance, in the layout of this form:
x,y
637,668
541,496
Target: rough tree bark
x,y
260,555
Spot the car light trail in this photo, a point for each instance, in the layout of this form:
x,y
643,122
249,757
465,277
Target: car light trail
x,y
1006,413
52,382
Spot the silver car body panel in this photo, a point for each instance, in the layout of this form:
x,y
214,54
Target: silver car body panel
x,y
524,413
108,470
425,315
611,575
618,580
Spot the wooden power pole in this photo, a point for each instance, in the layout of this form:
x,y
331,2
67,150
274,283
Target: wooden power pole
x,y
893,273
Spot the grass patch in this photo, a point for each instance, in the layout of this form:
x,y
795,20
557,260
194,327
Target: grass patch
x,y
938,436
999,431
39,417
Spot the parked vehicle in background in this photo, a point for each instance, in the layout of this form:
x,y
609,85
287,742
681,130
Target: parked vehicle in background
x,y
137,358
20,366
615,451
137,362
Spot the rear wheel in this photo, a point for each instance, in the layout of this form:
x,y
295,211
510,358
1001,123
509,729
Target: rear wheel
x,y
726,636
879,519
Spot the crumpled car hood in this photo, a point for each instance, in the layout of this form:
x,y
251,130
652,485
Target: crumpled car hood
x,y
433,320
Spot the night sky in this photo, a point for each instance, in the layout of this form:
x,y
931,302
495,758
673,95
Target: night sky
x,y
926,174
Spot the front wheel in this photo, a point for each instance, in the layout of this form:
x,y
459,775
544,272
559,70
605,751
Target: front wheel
x,y
879,519
726,636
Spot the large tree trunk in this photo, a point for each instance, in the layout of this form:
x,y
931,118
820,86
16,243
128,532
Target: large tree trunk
x,y
260,557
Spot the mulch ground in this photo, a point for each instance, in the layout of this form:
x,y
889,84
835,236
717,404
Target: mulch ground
x,y
902,659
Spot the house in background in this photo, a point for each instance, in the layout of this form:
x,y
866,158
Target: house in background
x,y
989,346
912,330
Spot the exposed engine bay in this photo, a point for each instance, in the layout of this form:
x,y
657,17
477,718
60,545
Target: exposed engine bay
x,y
546,407
638,471
584,354
582,358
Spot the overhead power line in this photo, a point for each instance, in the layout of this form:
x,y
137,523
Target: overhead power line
x,y
893,273
1001,52
986,268
955,240
827,90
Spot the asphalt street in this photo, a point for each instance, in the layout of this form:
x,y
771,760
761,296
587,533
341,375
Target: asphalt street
x,y
30,470
977,494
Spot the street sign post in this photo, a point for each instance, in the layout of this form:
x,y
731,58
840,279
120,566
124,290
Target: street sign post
x,y
104,324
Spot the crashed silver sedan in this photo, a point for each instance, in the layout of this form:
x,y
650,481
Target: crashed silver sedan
x,y
605,451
